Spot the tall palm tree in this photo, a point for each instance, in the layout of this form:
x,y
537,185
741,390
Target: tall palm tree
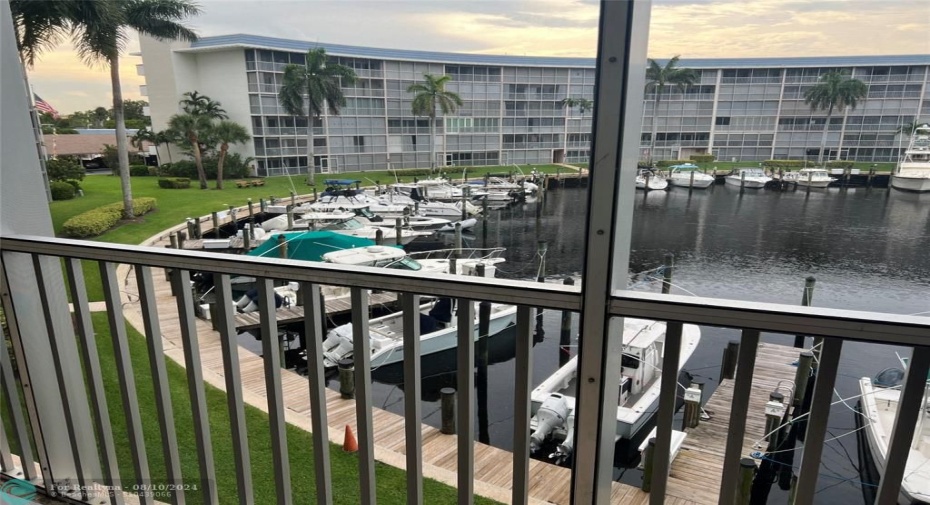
x,y
201,105
227,132
141,137
834,90
320,83
191,127
657,79
907,129
430,94
167,137
582,104
102,43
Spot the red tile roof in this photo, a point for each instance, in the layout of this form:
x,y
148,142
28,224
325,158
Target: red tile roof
x,y
60,145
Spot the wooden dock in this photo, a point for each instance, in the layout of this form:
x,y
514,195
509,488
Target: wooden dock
x,y
289,315
699,465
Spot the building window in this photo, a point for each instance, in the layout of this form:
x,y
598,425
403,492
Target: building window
x,y
359,142
722,121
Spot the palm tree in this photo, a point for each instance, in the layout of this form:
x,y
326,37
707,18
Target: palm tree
x,y
907,129
191,127
40,26
657,78
835,89
101,114
141,137
430,94
322,83
103,42
583,104
167,137
201,105
227,132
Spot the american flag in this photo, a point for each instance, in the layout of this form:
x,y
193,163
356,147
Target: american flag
x,y
43,106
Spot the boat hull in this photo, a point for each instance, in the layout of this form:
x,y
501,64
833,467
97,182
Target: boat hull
x,y
913,184
686,182
813,184
749,184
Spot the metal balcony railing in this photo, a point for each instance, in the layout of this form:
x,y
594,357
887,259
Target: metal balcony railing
x,y
131,277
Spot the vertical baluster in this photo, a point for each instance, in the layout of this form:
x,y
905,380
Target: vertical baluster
x,y
817,422
127,379
271,358
314,318
664,418
65,387
231,373
413,416
465,400
88,347
523,368
739,409
911,404
9,384
361,353
169,442
188,326
6,459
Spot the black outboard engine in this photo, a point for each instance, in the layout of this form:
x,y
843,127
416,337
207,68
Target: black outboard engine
x,y
415,195
442,311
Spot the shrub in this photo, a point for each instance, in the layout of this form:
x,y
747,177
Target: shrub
x,y
64,168
174,183
139,171
235,167
776,164
61,190
75,184
425,172
153,170
702,158
840,164
668,163
96,221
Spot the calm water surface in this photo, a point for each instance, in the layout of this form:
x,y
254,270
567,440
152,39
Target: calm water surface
x,y
868,249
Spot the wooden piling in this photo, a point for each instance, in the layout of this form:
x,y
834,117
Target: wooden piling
x,y
379,236
346,378
458,238
806,299
247,239
261,205
282,246
174,240
565,334
691,182
803,374
728,365
465,192
667,273
290,219
648,459
692,415
742,180
293,199
747,470
774,413
182,237
448,411
216,224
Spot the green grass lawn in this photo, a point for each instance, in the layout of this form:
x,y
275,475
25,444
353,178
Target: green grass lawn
x,y
391,483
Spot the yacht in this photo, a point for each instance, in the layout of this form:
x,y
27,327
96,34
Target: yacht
x,y
813,177
344,223
649,180
750,178
690,176
913,172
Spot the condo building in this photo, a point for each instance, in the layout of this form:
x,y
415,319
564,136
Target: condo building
x,y
748,109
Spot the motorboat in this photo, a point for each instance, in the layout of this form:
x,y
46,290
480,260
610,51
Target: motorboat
x,y
436,189
424,207
553,401
689,175
344,223
438,332
813,177
913,171
465,224
649,180
750,178
879,404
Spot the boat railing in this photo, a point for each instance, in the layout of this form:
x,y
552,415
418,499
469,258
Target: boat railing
x,y
66,414
465,253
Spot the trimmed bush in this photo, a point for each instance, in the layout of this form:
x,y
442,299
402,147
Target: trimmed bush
x,y
840,164
64,168
61,190
75,184
139,171
235,167
174,183
96,221
702,158
776,164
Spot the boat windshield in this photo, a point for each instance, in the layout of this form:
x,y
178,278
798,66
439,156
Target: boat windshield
x,y
348,224
404,263
752,172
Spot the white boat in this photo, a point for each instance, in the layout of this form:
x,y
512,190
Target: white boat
x,y
689,176
424,206
438,333
436,190
553,401
750,178
879,407
466,224
813,177
647,179
913,172
344,223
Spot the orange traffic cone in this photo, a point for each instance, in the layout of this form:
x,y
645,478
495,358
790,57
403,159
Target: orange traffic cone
x,y
350,444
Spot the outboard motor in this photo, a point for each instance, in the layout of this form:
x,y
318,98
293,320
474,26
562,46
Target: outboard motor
x,y
442,311
415,195
564,450
337,344
551,415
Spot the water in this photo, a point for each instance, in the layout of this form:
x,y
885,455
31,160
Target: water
x,y
868,250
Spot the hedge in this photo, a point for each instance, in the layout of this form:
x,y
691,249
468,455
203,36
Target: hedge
x,y
775,164
139,171
74,183
702,158
61,190
174,183
235,167
96,221
417,172
840,164
668,163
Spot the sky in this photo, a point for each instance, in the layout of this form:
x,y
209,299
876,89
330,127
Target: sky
x,y
691,28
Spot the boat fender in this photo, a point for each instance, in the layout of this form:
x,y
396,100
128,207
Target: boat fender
x,y
551,414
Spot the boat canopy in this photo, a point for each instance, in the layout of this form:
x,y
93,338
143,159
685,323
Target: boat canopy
x,y
310,245
341,182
